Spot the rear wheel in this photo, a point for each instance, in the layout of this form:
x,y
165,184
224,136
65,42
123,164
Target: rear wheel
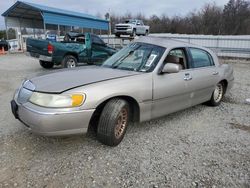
x,y
217,95
133,34
113,122
46,64
69,61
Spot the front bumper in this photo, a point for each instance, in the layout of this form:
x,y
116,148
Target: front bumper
x,y
52,122
40,57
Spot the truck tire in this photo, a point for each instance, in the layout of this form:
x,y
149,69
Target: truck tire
x,y
133,34
46,64
69,61
113,122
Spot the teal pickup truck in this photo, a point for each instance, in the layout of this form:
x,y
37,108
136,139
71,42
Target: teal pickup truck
x,y
76,48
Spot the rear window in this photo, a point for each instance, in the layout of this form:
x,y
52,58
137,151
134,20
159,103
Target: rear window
x,y
201,58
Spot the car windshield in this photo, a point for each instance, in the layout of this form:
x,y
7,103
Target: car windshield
x,y
139,57
131,21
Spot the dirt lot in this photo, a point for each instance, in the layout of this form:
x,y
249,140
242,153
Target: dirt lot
x,y
198,147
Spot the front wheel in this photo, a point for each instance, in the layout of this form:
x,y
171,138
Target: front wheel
x,y
217,95
46,64
69,61
133,34
113,122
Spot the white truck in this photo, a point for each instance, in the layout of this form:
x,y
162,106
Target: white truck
x,y
131,27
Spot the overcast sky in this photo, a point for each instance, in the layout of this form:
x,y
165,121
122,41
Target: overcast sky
x,y
147,7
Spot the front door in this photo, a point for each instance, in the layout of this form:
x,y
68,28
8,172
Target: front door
x,y
99,50
170,90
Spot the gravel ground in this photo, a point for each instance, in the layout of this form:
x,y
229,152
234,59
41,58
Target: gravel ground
x,y
198,147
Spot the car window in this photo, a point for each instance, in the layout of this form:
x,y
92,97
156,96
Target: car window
x,y
97,40
140,57
200,58
178,56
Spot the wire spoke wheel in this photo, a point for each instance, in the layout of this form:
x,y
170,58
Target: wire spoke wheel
x,y
121,123
218,92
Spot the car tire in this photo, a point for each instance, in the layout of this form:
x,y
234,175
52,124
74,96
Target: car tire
x,y
133,34
217,95
69,61
113,122
46,64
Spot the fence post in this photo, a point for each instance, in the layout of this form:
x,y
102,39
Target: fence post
x,y
217,46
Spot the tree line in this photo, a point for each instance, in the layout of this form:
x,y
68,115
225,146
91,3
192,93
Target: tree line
x,y
232,19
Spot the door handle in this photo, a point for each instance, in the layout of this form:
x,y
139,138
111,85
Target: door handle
x,y
215,73
187,77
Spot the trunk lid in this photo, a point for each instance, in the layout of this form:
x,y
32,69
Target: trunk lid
x,y
37,46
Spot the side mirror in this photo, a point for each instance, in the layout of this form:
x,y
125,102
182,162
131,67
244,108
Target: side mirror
x,y
171,68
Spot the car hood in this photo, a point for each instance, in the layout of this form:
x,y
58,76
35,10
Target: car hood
x,y
66,79
127,24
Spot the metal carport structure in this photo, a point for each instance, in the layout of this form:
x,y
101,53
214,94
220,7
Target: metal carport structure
x,y
30,15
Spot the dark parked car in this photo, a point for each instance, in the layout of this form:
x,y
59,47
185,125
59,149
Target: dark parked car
x,y
76,48
5,44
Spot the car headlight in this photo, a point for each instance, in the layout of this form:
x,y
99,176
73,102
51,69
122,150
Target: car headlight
x,y
57,100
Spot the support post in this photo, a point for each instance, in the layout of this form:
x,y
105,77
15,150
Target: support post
x,y
44,29
33,28
20,29
58,32
6,28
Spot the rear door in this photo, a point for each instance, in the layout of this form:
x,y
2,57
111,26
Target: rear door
x,y
203,75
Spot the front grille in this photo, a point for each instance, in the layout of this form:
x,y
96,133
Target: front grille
x,y
122,27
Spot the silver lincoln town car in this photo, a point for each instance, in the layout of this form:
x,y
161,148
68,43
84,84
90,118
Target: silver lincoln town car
x,y
149,78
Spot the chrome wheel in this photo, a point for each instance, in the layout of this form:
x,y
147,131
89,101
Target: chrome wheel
x,y
121,124
218,93
71,63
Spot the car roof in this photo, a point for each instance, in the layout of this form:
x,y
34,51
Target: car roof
x,y
167,43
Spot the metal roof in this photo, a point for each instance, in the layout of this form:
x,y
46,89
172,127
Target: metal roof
x,y
55,16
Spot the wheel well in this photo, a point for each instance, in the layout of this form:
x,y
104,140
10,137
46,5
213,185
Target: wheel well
x,y
73,54
225,83
133,105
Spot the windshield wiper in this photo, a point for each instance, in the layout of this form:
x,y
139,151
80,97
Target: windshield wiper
x,y
119,62
115,65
